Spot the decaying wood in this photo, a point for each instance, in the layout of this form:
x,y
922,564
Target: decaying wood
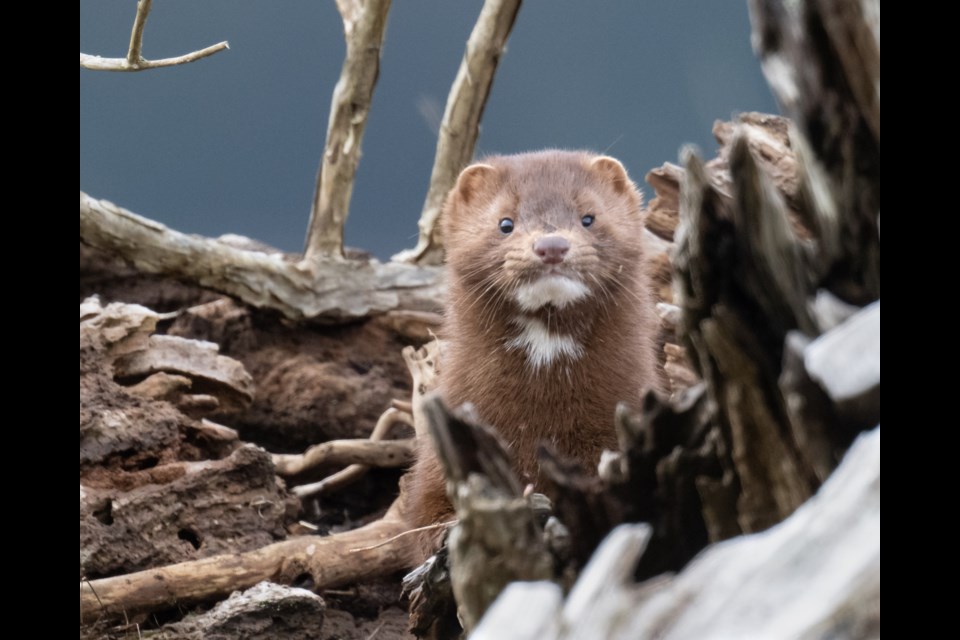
x,y
131,428
200,362
423,364
665,450
845,362
419,327
364,26
832,387
335,289
497,538
134,60
815,575
190,509
741,362
822,60
664,209
187,372
460,126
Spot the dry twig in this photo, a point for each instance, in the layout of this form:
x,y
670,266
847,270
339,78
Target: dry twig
x,y
360,467
135,60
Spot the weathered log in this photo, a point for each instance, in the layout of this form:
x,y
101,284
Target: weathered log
x,y
134,428
372,550
331,290
815,575
664,209
460,126
737,259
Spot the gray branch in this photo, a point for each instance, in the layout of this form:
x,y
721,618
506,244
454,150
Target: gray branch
x,y
134,60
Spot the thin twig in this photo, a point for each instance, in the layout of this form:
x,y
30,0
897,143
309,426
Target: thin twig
x,y
376,631
136,36
134,60
96,63
429,527
92,590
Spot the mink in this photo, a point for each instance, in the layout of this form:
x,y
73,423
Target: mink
x,y
549,321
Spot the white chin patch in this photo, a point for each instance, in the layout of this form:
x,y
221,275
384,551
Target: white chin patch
x,y
541,346
556,290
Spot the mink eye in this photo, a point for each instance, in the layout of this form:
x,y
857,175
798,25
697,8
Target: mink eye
x,y
587,220
506,225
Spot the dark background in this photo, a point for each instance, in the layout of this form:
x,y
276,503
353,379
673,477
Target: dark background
x,y
231,144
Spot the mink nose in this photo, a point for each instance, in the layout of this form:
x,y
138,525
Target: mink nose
x,y
551,249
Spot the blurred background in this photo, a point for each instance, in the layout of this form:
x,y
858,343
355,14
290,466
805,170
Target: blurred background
x,y
232,143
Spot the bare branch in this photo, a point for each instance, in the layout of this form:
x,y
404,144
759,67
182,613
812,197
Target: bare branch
x,y
354,472
96,63
134,60
330,289
134,53
364,27
385,454
461,120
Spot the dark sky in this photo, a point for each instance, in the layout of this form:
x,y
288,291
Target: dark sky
x,y
231,144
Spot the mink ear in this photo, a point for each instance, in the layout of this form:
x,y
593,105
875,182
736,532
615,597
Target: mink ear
x,y
476,180
611,172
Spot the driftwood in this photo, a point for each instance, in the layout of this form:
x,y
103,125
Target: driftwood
x,y
134,60
460,126
335,289
364,26
815,575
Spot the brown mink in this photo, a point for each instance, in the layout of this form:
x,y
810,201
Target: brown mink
x,y
549,318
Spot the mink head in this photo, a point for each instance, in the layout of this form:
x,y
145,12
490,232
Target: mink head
x,y
543,232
